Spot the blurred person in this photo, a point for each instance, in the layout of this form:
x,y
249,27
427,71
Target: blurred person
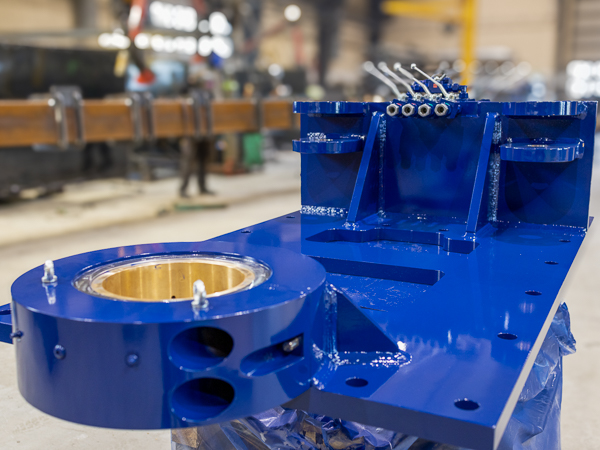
x,y
103,151
194,158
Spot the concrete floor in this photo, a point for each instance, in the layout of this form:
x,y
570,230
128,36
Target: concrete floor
x,y
23,427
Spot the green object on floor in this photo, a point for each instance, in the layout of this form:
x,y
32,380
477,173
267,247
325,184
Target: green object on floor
x,y
197,207
252,145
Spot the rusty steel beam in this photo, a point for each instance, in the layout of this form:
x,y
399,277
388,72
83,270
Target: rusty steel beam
x,y
29,122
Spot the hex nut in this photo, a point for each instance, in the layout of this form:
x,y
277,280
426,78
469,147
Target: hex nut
x,y
424,110
441,110
408,110
392,110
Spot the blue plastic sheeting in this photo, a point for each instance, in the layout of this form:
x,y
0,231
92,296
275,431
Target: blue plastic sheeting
x,y
534,425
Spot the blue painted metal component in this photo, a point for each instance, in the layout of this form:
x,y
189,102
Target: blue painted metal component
x,y
543,150
5,324
75,358
329,144
420,277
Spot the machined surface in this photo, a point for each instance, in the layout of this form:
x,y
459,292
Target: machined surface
x,y
168,278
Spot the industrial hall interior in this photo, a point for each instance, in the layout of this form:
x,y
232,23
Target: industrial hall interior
x,y
299,225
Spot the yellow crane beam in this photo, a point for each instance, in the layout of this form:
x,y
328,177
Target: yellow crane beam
x,y
460,12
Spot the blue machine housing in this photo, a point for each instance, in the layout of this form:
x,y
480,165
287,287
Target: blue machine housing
x,y
422,275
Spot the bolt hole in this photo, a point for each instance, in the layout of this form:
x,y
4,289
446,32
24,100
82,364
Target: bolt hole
x,y
533,292
291,217
356,382
466,404
443,229
507,336
564,240
552,263
172,296
245,231
5,312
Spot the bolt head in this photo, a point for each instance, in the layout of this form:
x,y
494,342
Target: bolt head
x,y
49,275
16,335
292,345
59,352
132,359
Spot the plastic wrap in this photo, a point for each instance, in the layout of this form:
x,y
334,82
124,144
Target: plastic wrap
x,y
534,425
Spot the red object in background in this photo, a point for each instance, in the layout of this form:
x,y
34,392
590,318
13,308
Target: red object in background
x,y
146,77
137,14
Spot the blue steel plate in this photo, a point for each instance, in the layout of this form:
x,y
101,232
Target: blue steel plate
x,y
454,330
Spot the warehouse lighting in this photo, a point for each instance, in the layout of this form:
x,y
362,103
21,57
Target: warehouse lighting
x,y
583,79
173,17
105,40
115,39
157,43
185,45
204,26
275,70
142,41
169,44
292,13
579,69
218,24
205,46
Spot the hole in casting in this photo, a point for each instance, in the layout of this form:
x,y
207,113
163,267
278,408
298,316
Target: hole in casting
x,y
202,399
466,404
533,292
564,240
443,229
552,263
291,217
356,382
507,336
245,231
5,312
200,347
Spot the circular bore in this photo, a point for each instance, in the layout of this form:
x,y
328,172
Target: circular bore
x,y
170,278
392,110
441,110
466,404
408,110
424,110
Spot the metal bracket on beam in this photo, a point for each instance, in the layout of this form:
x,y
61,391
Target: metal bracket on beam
x,y
68,97
260,114
134,103
57,103
59,99
148,105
